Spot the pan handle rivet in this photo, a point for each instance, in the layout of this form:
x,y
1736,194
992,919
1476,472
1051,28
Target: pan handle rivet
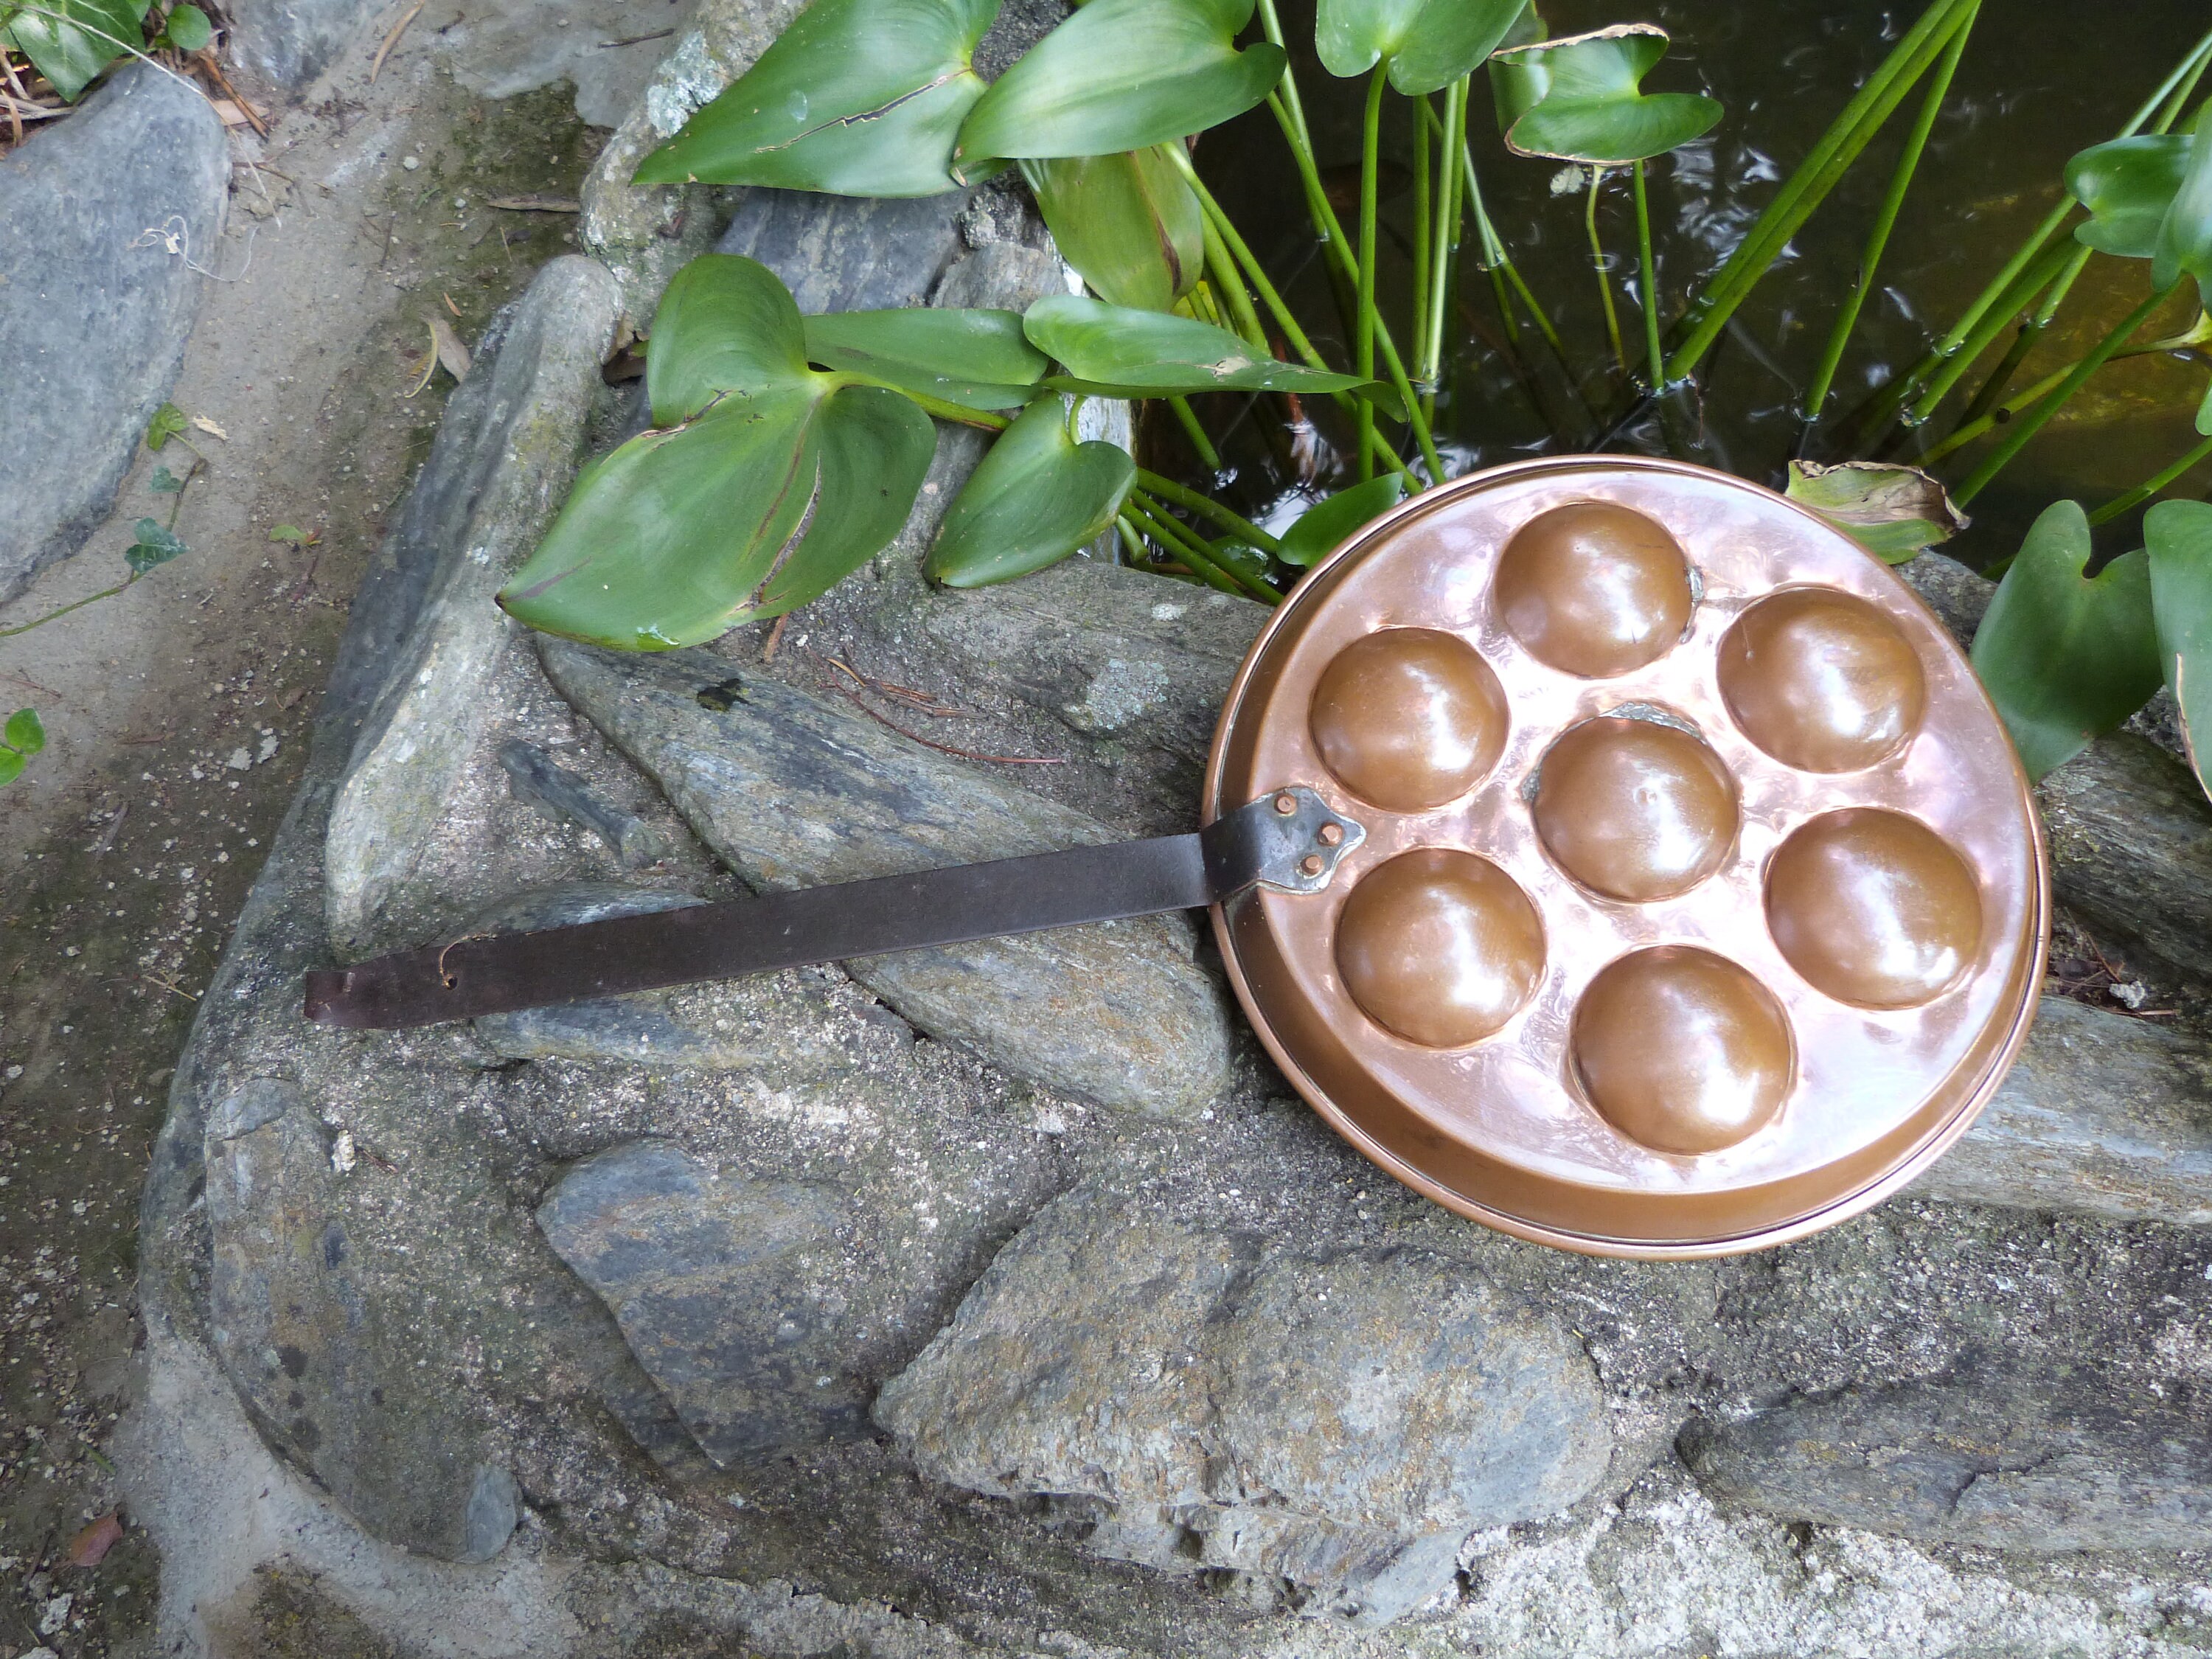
x,y
1332,834
1311,864
1286,804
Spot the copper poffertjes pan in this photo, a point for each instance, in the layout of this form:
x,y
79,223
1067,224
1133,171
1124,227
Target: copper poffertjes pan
x,y
1609,848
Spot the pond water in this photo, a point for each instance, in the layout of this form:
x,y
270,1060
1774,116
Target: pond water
x,y
2037,84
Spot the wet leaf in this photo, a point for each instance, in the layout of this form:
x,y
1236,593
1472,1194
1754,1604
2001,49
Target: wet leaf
x,y
1429,44
1118,352
1587,103
1129,223
294,536
2185,236
168,423
2067,658
1121,74
90,1544
1035,497
977,359
1328,524
188,28
155,546
2179,537
165,483
1894,511
2127,186
24,733
855,98
70,41
726,326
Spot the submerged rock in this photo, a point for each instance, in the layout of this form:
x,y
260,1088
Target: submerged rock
x,y
2071,1460
106,213
1217,1402
794,791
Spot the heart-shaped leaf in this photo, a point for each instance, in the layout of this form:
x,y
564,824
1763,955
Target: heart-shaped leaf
x,y
1894,512
70,41
1515,86
2179,544
1429,44
2127,186
1328,524
23,732
1036,497
1588,106
1129,223
875,448
1121,74
855,98
976,359
2185,236
726,326
2065,658
156,545
168,423
1119,352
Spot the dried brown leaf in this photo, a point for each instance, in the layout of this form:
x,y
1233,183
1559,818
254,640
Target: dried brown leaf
x,y
89,1547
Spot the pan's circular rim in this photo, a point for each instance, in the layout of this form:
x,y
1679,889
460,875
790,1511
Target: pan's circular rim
x,y
1909,1164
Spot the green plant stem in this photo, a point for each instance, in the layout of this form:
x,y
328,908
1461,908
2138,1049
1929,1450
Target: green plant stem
x,y
1814,177
2016,438
73,605
1272,26
2023,289
1893,202
1191,429
1169,491
1193,552
1241,251
2150,486
1425,218
1364,350
1131,544
1597,264
1228,284
1648,270
958,413
1967,431
1443,262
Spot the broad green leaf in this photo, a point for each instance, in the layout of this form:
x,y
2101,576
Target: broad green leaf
x,y
11,766
2204,414
1895,513
726,326
2127,186
1129,223
2178,535
165,483
1516,87
1588,105
70,41
155,546
875,447
2185,237
1328,524
1429,44
664,540
1118,352
2065,658
855,98
168,423
977,359
24,733
1121,74
188,28
1035,497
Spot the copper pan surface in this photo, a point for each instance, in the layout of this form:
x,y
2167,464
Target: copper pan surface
x,y
1741,958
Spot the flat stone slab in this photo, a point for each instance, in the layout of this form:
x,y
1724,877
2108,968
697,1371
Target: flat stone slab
x,y
94,305
2131,835
794,791
2069,1461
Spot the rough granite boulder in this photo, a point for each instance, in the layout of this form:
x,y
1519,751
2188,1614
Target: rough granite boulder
x,y
98,291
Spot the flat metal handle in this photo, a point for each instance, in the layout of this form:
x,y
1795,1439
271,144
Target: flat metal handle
x,y
1289,840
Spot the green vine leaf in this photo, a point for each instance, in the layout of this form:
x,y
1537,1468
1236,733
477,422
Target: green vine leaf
x,y
168,423
1429,44
165,483
1580,99
188,28
1130,224
855,98
1121,75
70,41
156,545
2179,544
11,766
1034,498
24,733
1115,351
975,359
2067,657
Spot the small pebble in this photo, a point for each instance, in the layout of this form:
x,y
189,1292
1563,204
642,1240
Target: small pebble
x,y
2130,994
411,162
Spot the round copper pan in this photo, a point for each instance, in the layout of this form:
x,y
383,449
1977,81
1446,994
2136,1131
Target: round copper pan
x,y
1720,1099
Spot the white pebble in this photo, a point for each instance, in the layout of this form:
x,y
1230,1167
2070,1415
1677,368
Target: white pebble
x,y
411,162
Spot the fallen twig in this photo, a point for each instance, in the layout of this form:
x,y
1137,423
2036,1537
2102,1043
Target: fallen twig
x,y
392,39
774,638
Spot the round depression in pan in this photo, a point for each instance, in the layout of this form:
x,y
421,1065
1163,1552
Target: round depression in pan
x,y
1881,923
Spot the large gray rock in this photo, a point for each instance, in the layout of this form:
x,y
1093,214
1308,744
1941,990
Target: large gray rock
x,y
2131,846
794,791
1212,1402
2065,1461
2101,1114
425,725
289,42
96,300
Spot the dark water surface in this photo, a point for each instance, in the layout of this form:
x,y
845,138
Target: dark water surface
x,y
2037,83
